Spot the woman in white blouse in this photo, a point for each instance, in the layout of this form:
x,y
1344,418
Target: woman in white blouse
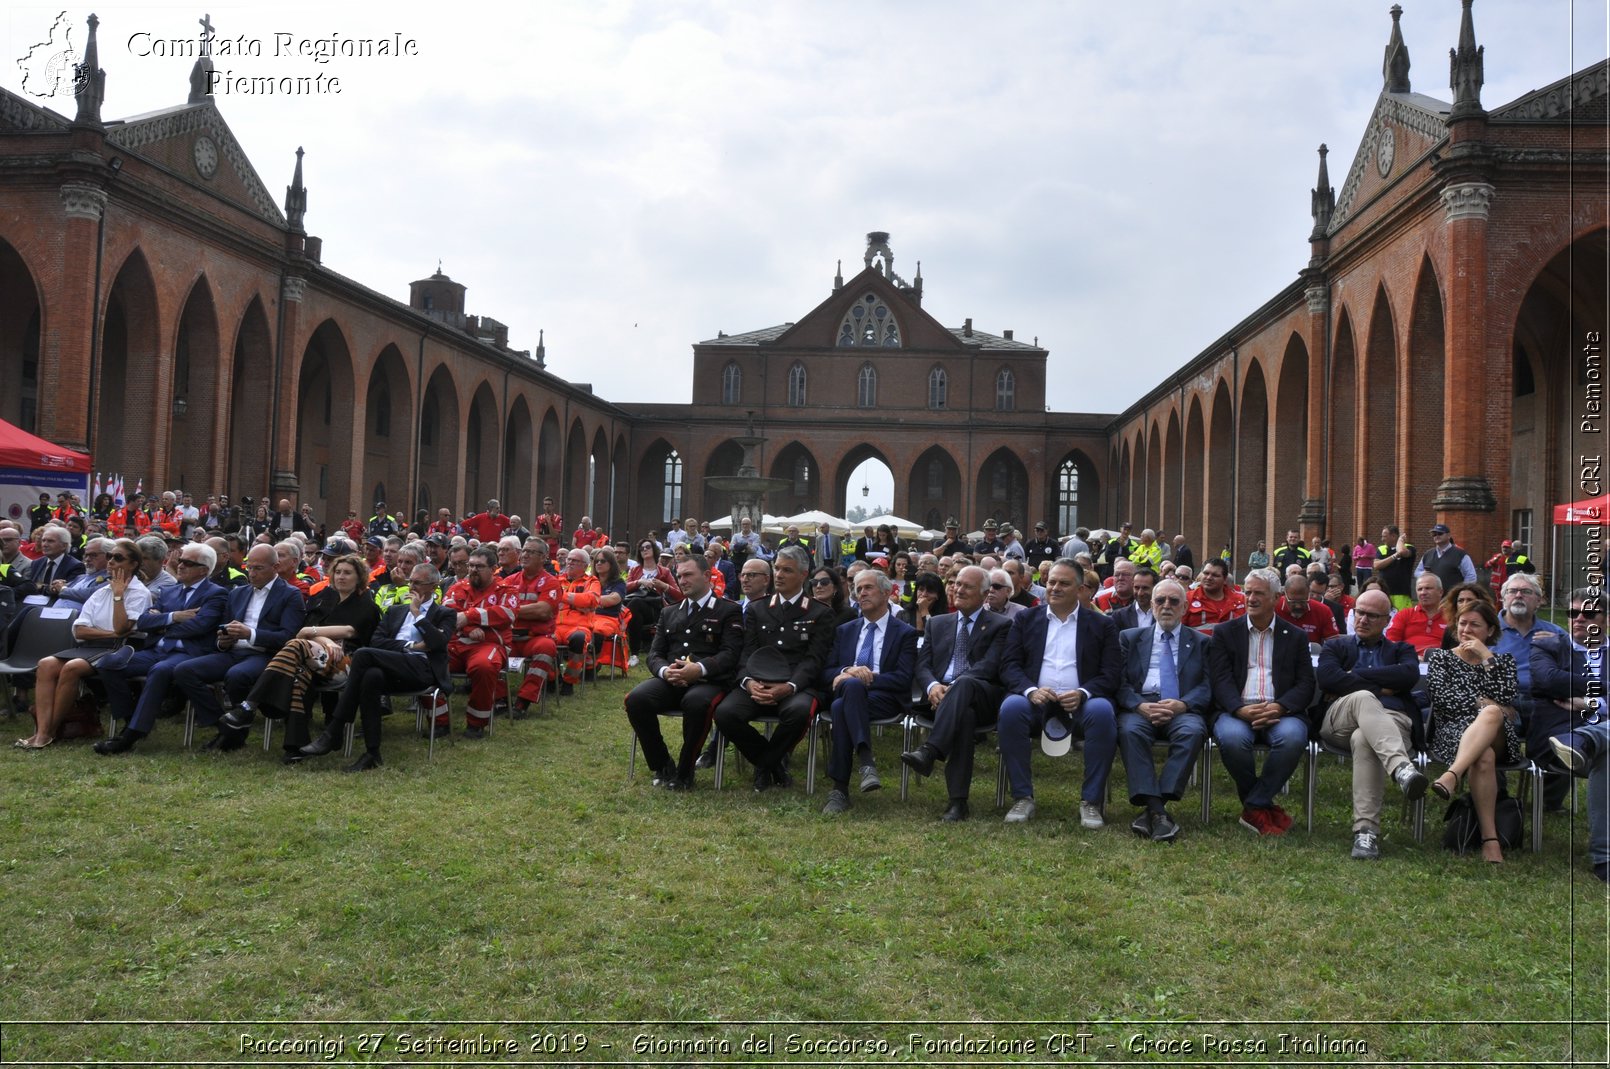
x,y
103,623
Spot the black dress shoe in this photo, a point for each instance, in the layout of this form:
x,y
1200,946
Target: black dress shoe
x,y
365,762
921,760
707,759
122,742
226,742
293,757
956,813
763,780
1164,830
237,719
780,776
322,744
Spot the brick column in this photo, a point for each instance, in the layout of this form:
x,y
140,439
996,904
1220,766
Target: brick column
x,y
1313,515
283,429
64,408
1467,455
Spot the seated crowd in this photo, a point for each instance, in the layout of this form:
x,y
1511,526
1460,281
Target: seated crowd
x,y
1128,646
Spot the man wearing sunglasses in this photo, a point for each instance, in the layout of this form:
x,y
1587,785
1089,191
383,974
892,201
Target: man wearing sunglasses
x,y
1573,673
1163,698
183,621
1366,679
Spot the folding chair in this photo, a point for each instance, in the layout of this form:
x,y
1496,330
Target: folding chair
x,y
825,719
1414,813
43,631
709,729
1209,745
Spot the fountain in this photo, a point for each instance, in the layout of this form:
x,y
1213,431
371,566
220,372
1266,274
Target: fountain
x,y
748,488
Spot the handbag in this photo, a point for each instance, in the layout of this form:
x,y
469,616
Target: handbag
x,y
1461,832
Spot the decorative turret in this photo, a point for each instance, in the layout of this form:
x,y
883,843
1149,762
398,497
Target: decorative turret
x,y
1395,67
296,196
201,73
1465,71
542,348
838,277
89,80
1323,199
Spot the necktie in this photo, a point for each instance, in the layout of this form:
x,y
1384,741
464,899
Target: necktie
x,y
1168,680
958,660
50,573
868,633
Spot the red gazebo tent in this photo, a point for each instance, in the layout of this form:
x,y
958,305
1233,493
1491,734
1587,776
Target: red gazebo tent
x,y
1590,510
30,466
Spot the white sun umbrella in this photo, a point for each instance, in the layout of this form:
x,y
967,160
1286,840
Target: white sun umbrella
x,y
904,528
808,522
767,523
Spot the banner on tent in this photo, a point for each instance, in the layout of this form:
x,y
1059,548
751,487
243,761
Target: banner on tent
x,y
20,489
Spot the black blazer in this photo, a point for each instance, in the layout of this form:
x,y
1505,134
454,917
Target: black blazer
x,y
68,567
1101,665
715,640
1292,674
985,647
802,632
435,628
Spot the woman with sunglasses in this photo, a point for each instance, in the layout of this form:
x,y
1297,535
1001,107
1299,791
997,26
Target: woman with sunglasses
x,y
827,586
103,623
607,616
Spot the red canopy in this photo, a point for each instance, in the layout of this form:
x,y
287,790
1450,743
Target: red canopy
x,y
1588,510
19,449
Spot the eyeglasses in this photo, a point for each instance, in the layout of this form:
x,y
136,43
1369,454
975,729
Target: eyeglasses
x,y
1359,614
1000,586
120,558
821,580
1589,613
1167,600
185,562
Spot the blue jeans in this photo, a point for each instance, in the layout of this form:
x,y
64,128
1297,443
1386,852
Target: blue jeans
x,y
1095,723
1286,739
1136,735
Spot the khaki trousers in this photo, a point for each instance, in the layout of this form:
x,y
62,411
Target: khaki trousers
x,y
1379,738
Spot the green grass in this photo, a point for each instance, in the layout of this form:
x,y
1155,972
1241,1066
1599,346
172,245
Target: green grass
x,y
524,879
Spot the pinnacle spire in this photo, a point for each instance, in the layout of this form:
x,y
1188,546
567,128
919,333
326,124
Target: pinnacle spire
x,y
1465,70
838,276
89,80
201,73
296,196
1395,67
1323,198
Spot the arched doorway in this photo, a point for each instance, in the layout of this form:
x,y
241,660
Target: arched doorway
x,y
519,476
1220,520
1380,389
324,406
578,480
482,433
797,464
863,481
439,441
1003,489
1252,511
193,400
387,423
1424,374
1342,489
1290,460
122,440
550,461
598,504
19,341
251,379
1194,525
724,459
935,491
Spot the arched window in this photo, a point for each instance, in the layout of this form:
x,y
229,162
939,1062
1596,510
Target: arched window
x,y
796,386
936,479
379,492
673,485
802,477
869,322
732,384
381,403
427,422
1067,498
866,388
937,388
1005,391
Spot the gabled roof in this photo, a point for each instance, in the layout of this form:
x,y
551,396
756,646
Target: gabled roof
x,y
992,341
1566,98
167,137
1423,118
20,116
818,328
753,337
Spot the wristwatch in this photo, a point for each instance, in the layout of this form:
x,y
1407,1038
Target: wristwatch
x,y
117,597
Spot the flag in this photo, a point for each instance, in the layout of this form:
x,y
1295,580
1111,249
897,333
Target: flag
x,y
117,492
96,486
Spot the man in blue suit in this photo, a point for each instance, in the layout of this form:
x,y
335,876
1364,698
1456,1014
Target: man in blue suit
x,y
1165,694
1263,681
869,674
264,613
1574,674
184,620
958,673
55,568
1061,664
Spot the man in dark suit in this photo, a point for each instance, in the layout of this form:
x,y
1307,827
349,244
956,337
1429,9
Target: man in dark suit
x,y
263,614
796,631
408,653
184,621
1137,613
55,568
958,674
1061,664
1367,678
1263,681
1574,674
691,665
870,671
1165,694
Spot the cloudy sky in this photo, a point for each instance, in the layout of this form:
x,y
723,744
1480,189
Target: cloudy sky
x,y
1123,181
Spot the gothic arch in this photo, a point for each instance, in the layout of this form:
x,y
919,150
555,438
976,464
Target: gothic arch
x,y
1379,386
1252,461
1343,485
388,428
846,468
1425,399
519,476
654,504
193,396
724,459
1221,476
439,441
598,505
483,433
1152,506
577,485
796,463
934,489
550,462
251,380
1003,489
131,377
21,320
1288,452
324,405
1194,525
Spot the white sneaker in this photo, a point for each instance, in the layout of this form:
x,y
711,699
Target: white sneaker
x,y
631,662
1021,811
1090,816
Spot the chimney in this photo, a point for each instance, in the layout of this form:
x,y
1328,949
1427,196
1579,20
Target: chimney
x,y
967,327
1007,335
315,249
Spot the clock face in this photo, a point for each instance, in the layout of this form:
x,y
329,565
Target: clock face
x,y
1386,150
206,156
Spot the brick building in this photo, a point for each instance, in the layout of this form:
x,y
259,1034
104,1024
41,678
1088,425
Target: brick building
x,y
162,310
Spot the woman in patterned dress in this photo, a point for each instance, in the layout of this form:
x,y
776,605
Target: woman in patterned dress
x,y
1473,716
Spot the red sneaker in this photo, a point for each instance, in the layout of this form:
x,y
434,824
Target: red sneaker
x,y
1281,818
1261,820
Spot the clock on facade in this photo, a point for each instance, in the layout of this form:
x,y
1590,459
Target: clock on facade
x,y
1385,150
206,156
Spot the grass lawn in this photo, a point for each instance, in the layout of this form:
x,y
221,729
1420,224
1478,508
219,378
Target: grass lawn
x,y
522,879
